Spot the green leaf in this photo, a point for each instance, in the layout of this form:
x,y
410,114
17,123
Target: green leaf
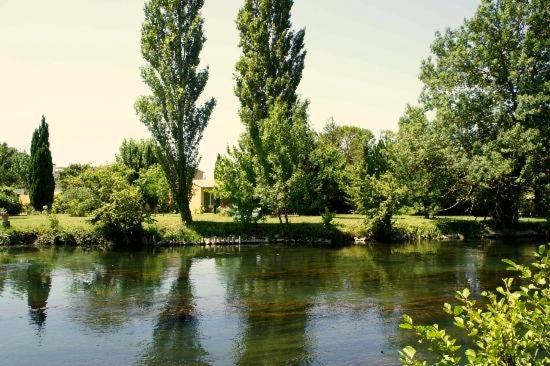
x,y
409,352
471,355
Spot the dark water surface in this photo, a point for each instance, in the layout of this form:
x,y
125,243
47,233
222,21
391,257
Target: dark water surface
x,y
224,306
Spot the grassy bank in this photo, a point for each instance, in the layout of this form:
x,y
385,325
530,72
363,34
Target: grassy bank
x,y
167,229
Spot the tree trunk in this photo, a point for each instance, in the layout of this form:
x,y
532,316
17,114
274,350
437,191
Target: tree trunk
x,y
506,212
183,207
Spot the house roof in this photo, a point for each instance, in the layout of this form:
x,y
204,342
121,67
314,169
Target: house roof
x,y
205,183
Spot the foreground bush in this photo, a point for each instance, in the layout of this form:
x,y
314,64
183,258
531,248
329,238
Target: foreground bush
x,y
512,328
122,216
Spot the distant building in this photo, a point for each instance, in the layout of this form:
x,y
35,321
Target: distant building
x,y
203,199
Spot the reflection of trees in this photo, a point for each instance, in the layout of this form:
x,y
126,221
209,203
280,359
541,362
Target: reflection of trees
x,y
176,338
38,290
33,281
118,287
274,293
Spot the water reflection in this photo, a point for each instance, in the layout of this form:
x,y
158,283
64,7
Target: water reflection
x,y
116,288
39,283
176,331
261,286
223,306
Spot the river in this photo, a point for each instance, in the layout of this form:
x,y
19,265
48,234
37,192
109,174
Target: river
x,y
250,305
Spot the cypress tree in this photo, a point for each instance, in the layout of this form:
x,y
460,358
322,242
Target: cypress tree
x,y
41,180
171,43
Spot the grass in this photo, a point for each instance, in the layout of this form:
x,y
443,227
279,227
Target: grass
x,y
302,228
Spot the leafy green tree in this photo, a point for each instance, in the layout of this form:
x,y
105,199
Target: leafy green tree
x,y
487,81
325,178
137,154
9,201
122,215
268,74
41,180
86,192
171,42
66,175
234,174
376,191
155,190
287,142
429,164
510,326
270,68
350,140
14,167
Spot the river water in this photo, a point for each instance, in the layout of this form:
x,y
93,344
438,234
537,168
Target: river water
x,y
255,305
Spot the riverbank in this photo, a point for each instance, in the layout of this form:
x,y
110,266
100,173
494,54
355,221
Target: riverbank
x,y
209,229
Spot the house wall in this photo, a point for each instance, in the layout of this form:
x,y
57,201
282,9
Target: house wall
x,y
196,203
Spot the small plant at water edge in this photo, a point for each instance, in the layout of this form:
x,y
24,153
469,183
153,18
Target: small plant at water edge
x,y
511,329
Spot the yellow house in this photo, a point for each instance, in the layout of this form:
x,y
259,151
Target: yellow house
x,y
203,199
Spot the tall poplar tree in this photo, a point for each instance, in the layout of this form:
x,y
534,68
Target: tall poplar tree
x,y
267,77
270,68
171,42
41,179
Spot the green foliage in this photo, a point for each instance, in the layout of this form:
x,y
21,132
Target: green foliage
x,y
171,42
511,328
325,181
376,190
70,172
41,180
234,174
286,142
10,201
270,68
14,167
382,197
327,217
350,140
137,154
122,215
428,164
155,190
487,82
277,131
89,190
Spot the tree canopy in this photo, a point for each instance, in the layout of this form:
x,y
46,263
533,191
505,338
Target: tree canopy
x,y
172,39
487,83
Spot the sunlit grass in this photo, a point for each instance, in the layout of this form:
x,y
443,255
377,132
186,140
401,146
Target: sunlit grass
x,y
349,224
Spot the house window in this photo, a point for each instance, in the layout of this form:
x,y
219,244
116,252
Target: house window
x,y
208,200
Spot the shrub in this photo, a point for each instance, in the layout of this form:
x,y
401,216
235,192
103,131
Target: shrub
x,y
10,201
510,329
327,217
155,189
76,201
86,191
122,216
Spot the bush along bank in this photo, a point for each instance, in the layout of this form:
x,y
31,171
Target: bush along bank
x,y
459,229
151,233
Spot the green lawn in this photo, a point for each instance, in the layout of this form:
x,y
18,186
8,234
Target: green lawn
x,y
348,223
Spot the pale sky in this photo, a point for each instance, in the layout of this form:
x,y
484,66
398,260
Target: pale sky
x,y
77,62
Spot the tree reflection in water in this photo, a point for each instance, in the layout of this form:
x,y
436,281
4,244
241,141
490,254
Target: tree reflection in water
x,y
176,338
262,285
39,283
